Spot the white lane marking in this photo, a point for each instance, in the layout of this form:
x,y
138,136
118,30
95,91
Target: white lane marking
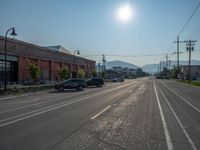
x,y
181,98
130,91
53,107
40,109
30,101
10,110
36,93
20,107
167,136
23,95
179,122
99,113
38,103
43,111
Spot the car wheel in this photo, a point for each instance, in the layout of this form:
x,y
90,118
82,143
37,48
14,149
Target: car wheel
x,y
61,88
80,88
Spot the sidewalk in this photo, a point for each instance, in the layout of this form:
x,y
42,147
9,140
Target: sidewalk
x,y
14,91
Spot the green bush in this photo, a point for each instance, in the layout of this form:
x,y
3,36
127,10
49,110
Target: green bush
x,y
34,72
81,73
63,73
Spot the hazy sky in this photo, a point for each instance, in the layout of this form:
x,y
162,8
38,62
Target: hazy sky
x,y
92,26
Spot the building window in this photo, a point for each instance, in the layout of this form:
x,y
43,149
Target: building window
x,y
11,69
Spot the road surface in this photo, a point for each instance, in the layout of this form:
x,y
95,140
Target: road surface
x,y
137,114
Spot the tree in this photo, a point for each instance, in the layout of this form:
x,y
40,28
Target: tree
x,y
34,71
94,73
81,73
63,73
174,72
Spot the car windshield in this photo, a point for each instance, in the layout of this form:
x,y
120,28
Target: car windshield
x,y
99,74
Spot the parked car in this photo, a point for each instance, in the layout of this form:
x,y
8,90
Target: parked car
x,y
118,79
95,82
114,80
78,84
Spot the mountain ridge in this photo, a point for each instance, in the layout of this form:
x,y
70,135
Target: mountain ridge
x,y
150,68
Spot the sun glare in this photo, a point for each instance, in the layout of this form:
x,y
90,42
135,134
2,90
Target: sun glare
x,y
125,13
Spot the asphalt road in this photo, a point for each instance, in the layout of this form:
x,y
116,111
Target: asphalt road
x,y
137,114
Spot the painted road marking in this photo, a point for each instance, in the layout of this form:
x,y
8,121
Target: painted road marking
x,y
23,95
20,107
167,136
99,113
179,122
182,98
53,107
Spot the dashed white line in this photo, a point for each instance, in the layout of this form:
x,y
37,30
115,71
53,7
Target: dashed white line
x,y
44,110
99,113
167,135
52,107
179,122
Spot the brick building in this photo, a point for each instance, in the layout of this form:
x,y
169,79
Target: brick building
x,y
49,59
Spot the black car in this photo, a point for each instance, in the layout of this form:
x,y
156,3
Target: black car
x,y
95,82
78,84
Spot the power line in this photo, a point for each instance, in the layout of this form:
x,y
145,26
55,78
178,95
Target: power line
x,y
147,55
194,31
170,47
189,19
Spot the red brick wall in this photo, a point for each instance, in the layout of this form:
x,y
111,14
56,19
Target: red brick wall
x,y
55,69
23,72
49,61
45,69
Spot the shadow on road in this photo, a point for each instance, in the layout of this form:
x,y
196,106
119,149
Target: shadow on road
x,y
65,91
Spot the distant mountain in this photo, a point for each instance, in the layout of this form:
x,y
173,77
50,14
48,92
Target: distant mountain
x,y
119,63
153,68
150,68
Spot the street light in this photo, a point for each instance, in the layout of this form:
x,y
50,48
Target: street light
x,y
5,68
75,52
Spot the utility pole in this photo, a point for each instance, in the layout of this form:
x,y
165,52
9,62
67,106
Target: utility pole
x,y
190,48
99,67
163,65
167,61
178,54
104,66
160,65
169,64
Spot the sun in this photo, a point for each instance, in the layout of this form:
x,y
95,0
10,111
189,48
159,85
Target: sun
x,y
125,13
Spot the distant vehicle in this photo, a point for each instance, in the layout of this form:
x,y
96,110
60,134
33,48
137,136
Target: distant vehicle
x,y
120,79
159,77
114,80
131,77
95,82
78,84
